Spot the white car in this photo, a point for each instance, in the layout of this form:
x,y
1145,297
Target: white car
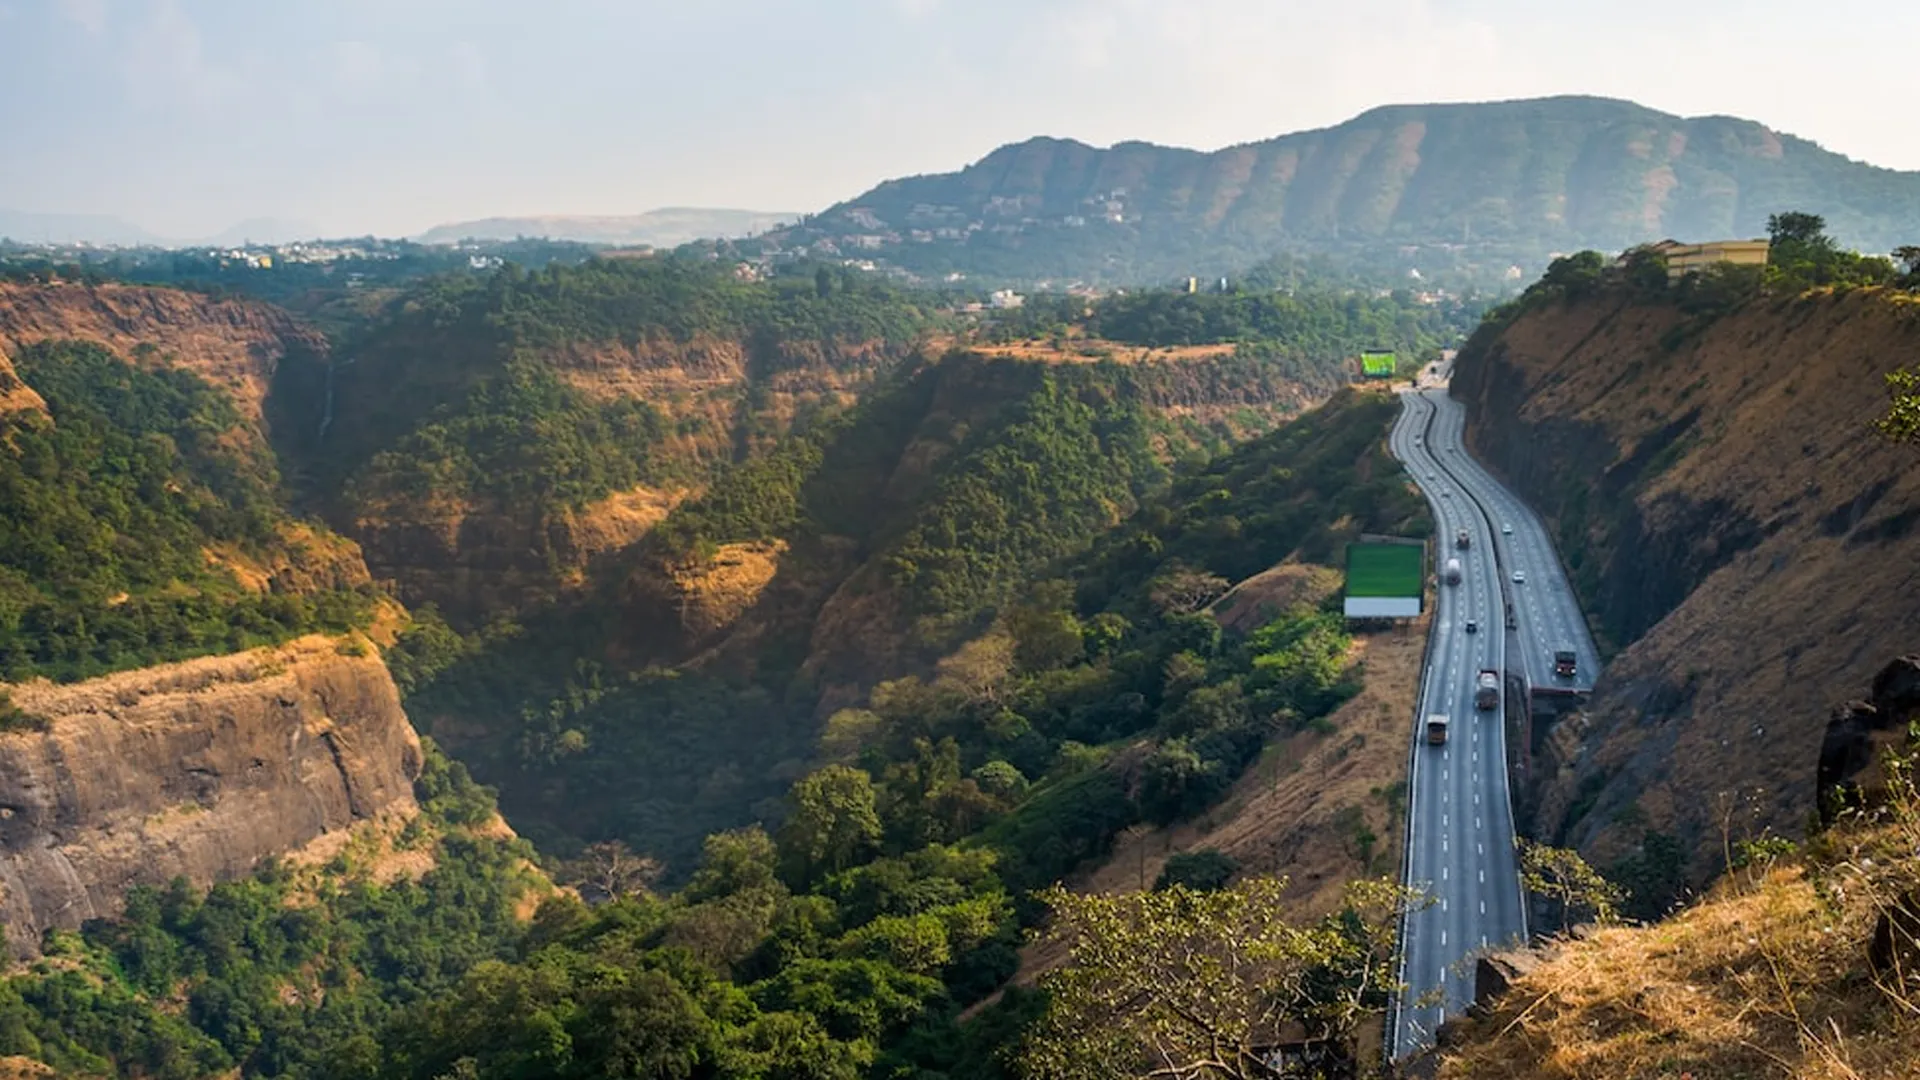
x,y
1506,530
1519,577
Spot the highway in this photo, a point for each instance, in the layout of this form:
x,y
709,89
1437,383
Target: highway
x,y
1548,613
1460,841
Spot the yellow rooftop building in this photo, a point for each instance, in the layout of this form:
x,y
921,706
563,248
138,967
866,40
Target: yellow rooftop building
x,y
1684,259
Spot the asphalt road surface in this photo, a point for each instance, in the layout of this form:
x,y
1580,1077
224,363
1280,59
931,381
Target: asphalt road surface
x,y
1460,847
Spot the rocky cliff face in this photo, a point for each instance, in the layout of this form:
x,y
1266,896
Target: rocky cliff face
x,y
234,344
200,769
1738,534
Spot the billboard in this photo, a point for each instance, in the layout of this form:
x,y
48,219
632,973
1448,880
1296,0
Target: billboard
x,y
1385,579
1377,365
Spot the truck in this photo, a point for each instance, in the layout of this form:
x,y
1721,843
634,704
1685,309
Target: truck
x,y
1437,728
1564,663
1486,689
1453,571
1463,540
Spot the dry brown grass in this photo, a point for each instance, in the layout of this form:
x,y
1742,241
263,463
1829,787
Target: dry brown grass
x,y
1079,349
1765,977
1784,392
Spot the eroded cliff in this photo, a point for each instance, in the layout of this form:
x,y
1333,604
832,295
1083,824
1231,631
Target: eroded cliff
x,y
1739,536
199,769
235,344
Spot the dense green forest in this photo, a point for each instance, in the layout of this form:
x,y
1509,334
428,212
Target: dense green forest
x,y
1052,471
289,973
1063,680
108,502
884,896
1028,553
1309,336
366,263
452,390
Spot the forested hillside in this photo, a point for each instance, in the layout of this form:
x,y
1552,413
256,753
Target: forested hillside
x,y
901,637
1435,187
140,522
884,548
291,972
483,437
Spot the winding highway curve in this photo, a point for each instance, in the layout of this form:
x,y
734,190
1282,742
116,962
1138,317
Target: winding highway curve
x,y
1460,847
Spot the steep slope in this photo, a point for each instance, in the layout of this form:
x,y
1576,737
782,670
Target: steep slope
x,y
233,344
140,522
870,551
1488,182
483,439
199,770
1737,532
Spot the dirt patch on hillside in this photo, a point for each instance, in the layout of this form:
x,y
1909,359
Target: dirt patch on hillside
x,y
1302,809
307,560
620,519
16,395
1085,350
1270,593
713,593
1769,976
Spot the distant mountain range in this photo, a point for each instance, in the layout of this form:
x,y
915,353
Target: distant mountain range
x,y
668,227
106,230
1418,185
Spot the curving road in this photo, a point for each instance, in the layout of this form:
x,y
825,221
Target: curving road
x,y
1548,613
1460,820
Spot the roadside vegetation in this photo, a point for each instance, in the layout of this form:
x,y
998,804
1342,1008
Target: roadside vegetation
x,y
1803,960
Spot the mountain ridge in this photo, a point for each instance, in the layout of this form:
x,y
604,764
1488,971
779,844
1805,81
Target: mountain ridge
x,y
1437,186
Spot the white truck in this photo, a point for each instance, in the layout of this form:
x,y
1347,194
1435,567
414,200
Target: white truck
x,y
1486,689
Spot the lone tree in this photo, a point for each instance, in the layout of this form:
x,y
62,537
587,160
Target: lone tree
x,y
609,870
1183,590
1189,985
1902,422
1561,875
1796,230
831,823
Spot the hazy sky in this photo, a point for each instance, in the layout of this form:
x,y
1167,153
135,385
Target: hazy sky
x,y
389,116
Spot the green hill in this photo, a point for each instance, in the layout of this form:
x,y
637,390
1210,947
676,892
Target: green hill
x,y
1430,186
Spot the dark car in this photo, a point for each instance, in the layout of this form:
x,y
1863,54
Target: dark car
x,y
1473,627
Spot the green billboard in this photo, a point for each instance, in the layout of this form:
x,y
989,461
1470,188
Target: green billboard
x,y
1385,580
1377,365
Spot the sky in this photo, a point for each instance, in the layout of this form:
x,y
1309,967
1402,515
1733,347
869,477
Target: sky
x,y
390,116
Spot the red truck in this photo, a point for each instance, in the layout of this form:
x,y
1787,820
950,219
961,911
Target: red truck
x,y
1564,663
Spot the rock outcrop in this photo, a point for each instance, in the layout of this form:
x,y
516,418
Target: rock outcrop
x,y
1860,731
199,769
